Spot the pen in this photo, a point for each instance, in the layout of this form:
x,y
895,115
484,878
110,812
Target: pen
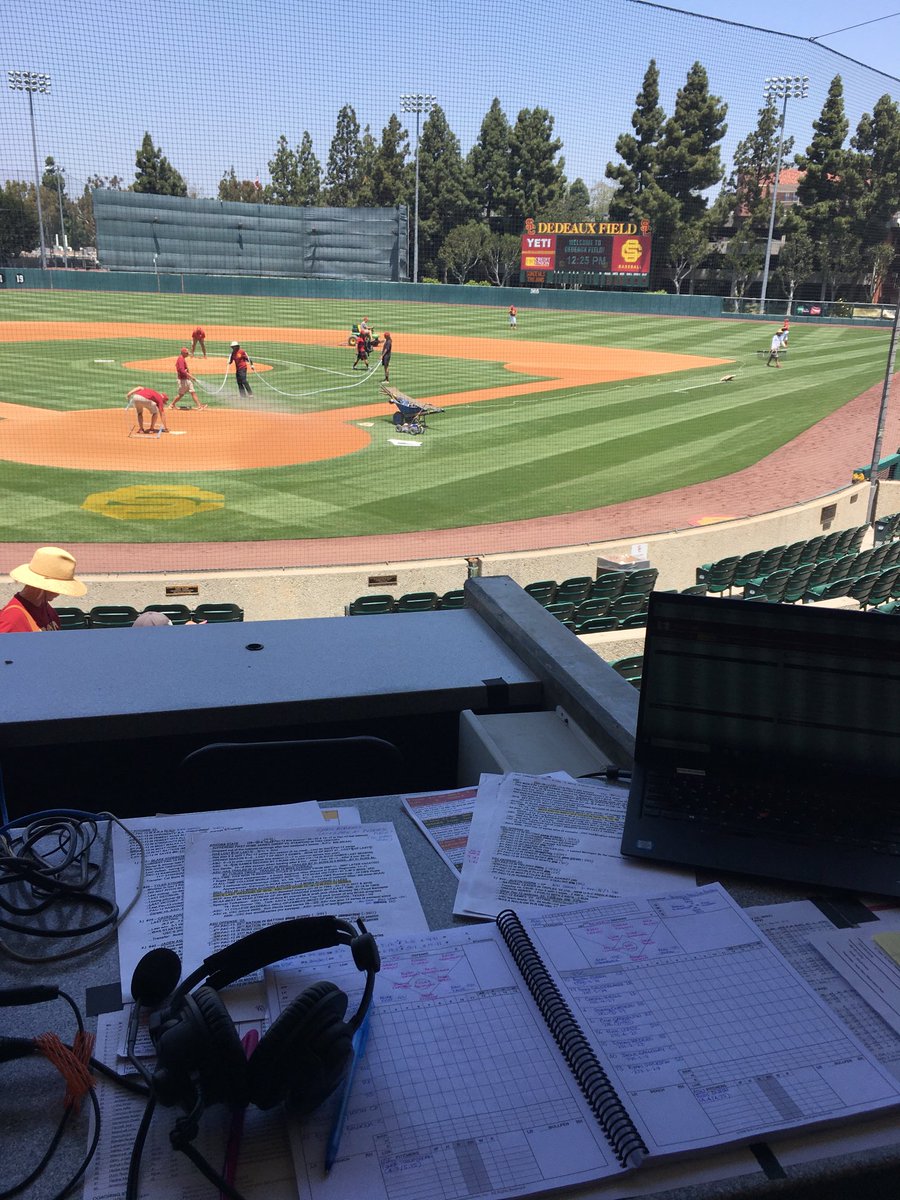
x,y
334,1138
249,1041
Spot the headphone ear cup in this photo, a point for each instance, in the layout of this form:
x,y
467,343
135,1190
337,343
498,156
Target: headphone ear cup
x,y
220,1056
304,1056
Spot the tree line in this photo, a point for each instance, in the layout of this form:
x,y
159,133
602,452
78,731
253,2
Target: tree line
x,y
472,207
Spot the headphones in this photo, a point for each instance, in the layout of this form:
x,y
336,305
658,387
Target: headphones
x,y
301,1059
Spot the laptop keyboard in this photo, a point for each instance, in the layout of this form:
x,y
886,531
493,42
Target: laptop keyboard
x,y
773,808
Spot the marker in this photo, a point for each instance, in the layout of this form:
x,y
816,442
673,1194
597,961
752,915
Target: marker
x,y
337,1129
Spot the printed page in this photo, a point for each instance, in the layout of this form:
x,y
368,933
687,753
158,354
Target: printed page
x,y
156,919
793,928
264,1172
239,881
545,842
462,1090
870,969
444,818
707,1034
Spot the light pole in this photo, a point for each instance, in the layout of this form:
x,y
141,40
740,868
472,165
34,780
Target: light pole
x,y
30,82
417,102
779,87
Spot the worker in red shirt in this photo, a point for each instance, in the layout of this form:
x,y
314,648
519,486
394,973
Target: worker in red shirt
x,y
185,380
198,338
242,361
145,401
362,352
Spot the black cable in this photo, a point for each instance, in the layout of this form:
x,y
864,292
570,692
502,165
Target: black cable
x,y
55,993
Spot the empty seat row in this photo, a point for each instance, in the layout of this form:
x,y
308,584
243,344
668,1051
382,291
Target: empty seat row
x,y
737,570
123,616
409,602
630,668
823,580
583,587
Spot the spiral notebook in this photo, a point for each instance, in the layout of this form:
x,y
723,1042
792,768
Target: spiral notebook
x,y
508,1059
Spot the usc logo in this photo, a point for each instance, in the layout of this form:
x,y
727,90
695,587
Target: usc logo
x,y
153,502
631,250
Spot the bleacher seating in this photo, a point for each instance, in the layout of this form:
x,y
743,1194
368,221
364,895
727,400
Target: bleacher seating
x,y
630,668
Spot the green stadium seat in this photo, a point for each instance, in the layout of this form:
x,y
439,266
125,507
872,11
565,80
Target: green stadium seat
x,y
368,605
862,587
113,616
627,605
828,548
821,573
597,606
769,588
216,614
793,555
747,568
543,590
72,618
598,625
629,668
719,576
883,587
417,602
695,589
796,586
610,584
636,620
574,590
833,590
770,561
453,599
563,610
178,614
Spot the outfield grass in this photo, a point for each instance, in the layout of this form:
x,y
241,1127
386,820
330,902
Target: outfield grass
x,y
498,460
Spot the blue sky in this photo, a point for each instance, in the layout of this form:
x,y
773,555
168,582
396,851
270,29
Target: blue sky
x,y
215,83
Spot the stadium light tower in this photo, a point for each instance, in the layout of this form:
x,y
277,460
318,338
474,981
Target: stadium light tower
x,y
417,102
779,87
31,82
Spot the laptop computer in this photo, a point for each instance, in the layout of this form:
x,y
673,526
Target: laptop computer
x,y
768,742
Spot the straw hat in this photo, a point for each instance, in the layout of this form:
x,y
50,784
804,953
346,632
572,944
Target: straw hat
x,y
51,570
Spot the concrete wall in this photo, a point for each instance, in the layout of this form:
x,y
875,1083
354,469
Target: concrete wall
x,y
324,592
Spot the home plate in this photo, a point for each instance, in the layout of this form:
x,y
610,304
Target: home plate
x,y
397,442
366,424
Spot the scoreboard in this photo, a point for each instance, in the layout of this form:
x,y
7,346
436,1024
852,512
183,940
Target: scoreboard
x,y
587,252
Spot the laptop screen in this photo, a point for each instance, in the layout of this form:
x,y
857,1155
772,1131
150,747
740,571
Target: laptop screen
x,y
806,685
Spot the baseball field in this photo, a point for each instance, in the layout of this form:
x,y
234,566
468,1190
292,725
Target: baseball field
x,y
567,412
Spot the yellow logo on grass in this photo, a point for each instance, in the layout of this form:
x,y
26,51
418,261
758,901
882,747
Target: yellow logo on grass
x,y
153,502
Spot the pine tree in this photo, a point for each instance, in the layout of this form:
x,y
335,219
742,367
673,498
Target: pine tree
x,y
577,203
285,174
309,171
154,174
444,187
537,181
489,165
755,160
390,170
636,174
367,153
874,175
688,160
18,223
342,175
823,190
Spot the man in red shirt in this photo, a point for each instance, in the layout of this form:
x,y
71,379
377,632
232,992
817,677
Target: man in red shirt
x,y
50,573
198,338
145,400
242,361
362,353
185,379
